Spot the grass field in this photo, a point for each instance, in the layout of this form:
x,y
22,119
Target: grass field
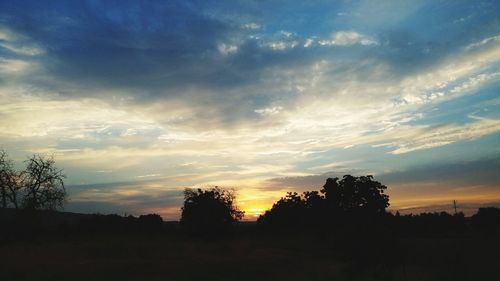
x,y
250,254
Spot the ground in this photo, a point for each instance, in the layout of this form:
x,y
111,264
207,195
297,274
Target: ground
x,y
251,254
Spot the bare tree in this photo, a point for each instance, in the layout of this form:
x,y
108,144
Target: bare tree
x,y
9,182
43,185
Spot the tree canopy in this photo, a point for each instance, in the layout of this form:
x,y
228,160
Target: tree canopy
x,y
355,194
209,211
351,197
487,218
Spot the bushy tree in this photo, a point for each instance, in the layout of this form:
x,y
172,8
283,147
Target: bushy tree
x,y
288,211
295,210
355,194
344,200
487,218
209,211
150,222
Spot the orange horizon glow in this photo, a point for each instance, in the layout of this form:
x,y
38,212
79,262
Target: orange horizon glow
x,y
426,202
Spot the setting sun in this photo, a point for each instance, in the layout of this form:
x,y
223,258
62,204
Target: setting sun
x,y
253,213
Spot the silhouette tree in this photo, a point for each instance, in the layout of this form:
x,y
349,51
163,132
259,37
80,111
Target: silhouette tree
x,y
209,211
355,195
429,222
39,186
487,218
150,222
288,211
43,185
351,197
9,183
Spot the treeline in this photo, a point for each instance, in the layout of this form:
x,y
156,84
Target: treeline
x,y
350,199
30,223
348,203
487,218
110,223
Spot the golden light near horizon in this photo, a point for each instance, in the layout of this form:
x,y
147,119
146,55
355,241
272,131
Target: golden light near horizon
x,y
253,213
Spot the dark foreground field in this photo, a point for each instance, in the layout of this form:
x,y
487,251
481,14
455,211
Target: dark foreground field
x,y
252,254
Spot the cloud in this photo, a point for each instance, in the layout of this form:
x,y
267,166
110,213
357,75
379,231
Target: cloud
x,y
483,42
13,66
134,198
227,49
347,38
28,115
462,173
419,188
302,183
438,136
281,45
269,110
281,41
17,43
308,43
251,25
310,104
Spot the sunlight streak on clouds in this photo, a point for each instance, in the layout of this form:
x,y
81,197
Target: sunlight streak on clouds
x,y
434,137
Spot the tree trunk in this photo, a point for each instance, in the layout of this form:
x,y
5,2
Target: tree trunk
x,y
4,197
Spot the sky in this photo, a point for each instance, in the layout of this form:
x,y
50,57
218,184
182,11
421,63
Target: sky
x,y
137,100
